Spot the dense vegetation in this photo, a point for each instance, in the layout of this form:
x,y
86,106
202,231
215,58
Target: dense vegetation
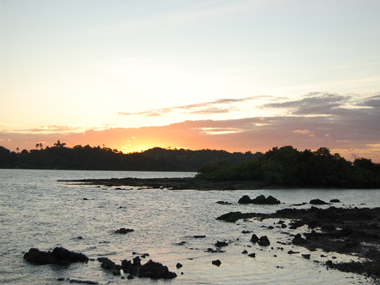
x,y
97,158
290,167
284,166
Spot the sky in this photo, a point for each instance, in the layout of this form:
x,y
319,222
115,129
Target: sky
x,y
238,75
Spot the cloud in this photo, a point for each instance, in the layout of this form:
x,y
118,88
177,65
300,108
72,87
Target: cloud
x,y
213,110
348,125
198,108
313,104
301,131
54,129
372,102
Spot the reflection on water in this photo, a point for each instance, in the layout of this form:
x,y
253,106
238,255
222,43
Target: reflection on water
x,y
37,211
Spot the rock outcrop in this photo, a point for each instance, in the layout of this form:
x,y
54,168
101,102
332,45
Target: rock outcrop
x,y
59,255
270,200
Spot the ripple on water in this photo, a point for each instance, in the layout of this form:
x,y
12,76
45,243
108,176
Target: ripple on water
x,y
39,212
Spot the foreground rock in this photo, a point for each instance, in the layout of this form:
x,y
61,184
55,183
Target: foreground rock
x,y
346,231
59,255
151,269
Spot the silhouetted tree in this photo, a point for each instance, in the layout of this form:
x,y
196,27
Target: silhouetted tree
x,y
59,144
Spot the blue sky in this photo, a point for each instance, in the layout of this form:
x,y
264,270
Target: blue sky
x,y
67,67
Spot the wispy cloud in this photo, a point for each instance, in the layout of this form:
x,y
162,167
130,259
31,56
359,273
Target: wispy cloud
x,y
213,110
301,131
198,108
312,104
54,129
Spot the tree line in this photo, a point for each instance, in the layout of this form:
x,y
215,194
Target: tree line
x,y
289,167
103,158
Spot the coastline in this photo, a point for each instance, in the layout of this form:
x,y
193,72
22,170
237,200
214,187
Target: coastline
x,y
349,231
174,183
190,184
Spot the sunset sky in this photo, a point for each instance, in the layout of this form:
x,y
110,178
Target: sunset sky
x,y
213,74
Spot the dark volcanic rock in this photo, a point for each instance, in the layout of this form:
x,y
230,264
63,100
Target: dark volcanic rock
x,y
221,243
83,281
259,200
344,230
292,252
155,270
334,201
174,183
216,262
124,231
232,217
317,202
223,203
254,238
264,241
151,269
270,200
59,255
298,240
245,200
108,264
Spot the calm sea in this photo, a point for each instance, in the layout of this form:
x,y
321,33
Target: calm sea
x,y
38,211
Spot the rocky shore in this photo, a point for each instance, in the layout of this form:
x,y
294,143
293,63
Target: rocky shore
x,y
173,183
64,257
347,231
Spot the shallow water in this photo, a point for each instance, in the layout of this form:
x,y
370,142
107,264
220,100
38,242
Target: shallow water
x,y
37,211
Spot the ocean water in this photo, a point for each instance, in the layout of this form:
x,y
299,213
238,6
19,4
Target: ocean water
x,y
38,211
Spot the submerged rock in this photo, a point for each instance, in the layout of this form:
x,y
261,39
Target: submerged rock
x,y
221,243
124,231
199,236
223,203
83,281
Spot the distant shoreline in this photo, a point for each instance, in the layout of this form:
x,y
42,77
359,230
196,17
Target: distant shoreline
x,y
189,184
174,183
